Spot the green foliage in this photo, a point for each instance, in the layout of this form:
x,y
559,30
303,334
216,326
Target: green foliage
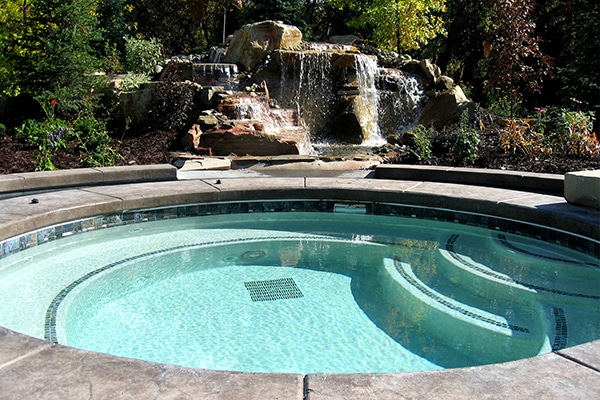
x,y
133,82
422,137
289,11
95,142
57,52
504,103
52,134
48,135
142,55
573,135
111,60
467,140
579,72
178,25
399,24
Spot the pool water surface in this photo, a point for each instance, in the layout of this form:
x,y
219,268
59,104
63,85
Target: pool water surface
x,y
304,292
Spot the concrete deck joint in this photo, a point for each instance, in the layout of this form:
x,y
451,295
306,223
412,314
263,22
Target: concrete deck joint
x,y
577,361
24,356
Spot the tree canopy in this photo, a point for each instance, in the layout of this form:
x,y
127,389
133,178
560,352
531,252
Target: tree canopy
x,y
488,46
398,24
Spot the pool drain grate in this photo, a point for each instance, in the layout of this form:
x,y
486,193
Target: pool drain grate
x,y
274,289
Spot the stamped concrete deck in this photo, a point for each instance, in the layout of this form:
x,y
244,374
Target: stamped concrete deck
x,y
34,369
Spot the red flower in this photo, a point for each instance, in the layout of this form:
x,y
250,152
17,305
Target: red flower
x,y
54,102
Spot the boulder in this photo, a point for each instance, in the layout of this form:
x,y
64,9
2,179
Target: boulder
x,y
446,82
432,72
251,43
248,138
444,108
191,139
347,129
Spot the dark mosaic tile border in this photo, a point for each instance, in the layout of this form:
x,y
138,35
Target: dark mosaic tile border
x,y
51,311
560,330
503,240
441,300
44,235
450,248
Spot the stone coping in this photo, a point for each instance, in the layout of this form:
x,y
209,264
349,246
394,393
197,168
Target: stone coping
x,y
583,188
32,368
528,181
45,180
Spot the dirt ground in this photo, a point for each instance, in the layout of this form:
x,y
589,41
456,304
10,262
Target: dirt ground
x,y
147,146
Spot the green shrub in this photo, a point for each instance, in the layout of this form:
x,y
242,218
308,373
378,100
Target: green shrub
x,y
48,135
54,133
422,137
142,55
132,82
572,134
467,140
95,142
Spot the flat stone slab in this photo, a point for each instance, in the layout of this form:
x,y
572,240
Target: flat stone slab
x,y
517,180
44,180
545,377
44,371
204,164
583,188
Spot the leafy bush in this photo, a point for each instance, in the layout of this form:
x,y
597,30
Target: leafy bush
x,y
422,137
48,135
54,133
142,55
171,102
133,82
95,142
573,134
523,136
467,140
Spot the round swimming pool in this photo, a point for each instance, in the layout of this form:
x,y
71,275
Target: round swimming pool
x,y
241,286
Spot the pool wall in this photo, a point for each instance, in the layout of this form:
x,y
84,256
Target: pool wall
x,y
31,368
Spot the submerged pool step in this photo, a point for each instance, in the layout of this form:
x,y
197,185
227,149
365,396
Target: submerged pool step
x,y
535,275
459,324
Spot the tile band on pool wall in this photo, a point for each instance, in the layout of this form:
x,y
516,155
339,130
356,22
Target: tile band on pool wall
x,y
560,331
441,300
14,245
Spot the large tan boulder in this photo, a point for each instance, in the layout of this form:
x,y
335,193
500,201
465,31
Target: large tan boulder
x,y
251,43
444,108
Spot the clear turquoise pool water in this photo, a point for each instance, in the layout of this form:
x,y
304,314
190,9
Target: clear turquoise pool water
x,y
304,292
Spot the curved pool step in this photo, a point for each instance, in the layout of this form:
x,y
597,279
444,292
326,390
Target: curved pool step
x,y
487,335
531,280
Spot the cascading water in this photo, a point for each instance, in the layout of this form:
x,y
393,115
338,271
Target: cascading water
x,y
384,101
307,85
366,104
211,74
401,98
